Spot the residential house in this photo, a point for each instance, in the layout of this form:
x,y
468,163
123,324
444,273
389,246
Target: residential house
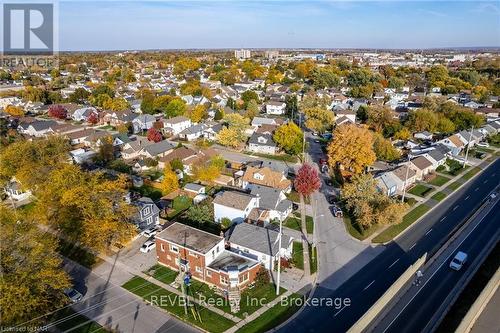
x,y
262,143
157,149
14,190
267,177
203,256
422,166
79,137
437,156
423,135
83,114
212,130
147,215
177,124
275,108
132,149
343,116
192,133
454,143
259,243
181,153
143,122
405,176
233,205
387,183
116,118
38,128
272,200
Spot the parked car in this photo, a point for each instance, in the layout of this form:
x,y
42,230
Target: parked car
x,y
150,232
328,182
331,199
73,294
458,261
316,141
148,246
483,144
336,211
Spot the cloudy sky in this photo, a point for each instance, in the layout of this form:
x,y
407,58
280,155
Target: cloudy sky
x,y
126,25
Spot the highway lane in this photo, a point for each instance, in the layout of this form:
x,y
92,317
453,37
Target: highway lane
x,y
433,293
371,281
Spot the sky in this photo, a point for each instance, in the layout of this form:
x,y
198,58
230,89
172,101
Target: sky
x,y
141,25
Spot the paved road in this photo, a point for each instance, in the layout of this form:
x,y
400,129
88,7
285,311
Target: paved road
x,y
369,283
421,307
109,304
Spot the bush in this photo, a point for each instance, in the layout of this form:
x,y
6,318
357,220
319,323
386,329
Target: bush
x,y
225,223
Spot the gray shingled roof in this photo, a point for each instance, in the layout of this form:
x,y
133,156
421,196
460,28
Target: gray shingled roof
x,y
256,238
159,148
254,139
269,197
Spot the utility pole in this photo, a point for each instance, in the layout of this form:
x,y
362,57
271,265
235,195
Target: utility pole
x,y
279,260
406,178
468,145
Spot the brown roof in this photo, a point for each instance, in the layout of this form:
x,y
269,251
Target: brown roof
x,y
266,128
271,178
80,134
201,156
189,237
181,153
456,140
233,199
400,172
421,162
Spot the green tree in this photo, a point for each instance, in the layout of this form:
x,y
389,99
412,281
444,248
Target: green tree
x,y
176,107
318,119
384,149
252,109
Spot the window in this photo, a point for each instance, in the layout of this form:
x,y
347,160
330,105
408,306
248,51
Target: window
x,y
174,249
147,210
198,269
213,254
208,273
162,247
244,278
217,248
223,279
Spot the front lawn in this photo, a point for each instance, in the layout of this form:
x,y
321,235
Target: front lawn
x,y
295,197
439,196
357,231
471,173
250,297
171,302
162,273
294,222
420,190
439,180
274,316
298,255
394,230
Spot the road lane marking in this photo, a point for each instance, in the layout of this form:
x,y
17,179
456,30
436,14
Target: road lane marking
x,y
442,219
394,263
485,181
439,267
428,232
335,315
477,188
368,286
413,246
455,207
493,175
467,197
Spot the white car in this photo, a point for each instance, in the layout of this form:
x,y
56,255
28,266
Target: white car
x,y
150,232
148,246
458,261
73,294
483,144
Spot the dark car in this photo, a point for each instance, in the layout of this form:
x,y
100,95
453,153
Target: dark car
x,y
328,182
331,199
295,206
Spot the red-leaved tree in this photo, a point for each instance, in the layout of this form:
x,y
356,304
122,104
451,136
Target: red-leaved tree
x,y
93,119
58,111
154,135
307,180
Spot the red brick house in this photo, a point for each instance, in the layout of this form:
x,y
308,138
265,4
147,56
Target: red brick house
x,y
187,249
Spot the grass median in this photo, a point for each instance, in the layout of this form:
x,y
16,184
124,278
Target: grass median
x,y
394,230
171,302
439,196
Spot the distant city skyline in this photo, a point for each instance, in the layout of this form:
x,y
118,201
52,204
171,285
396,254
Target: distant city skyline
x,y
146,25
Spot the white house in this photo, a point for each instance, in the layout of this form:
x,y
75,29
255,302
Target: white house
x,y
233,205
143,122
276,108
83,114
262,143
259,243
192,133
177,124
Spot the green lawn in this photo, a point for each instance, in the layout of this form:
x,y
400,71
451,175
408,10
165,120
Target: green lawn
x,y
274,316
295,197
76,253
313,259
87,325
394,230
439,196
180,204
162,273
439,180
453,186
294,222
357,231
171,303
420,190
471,173
266,293
204,293
486,150
298,255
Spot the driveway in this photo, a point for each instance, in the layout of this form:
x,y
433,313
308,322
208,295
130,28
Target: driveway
x,y
340,255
